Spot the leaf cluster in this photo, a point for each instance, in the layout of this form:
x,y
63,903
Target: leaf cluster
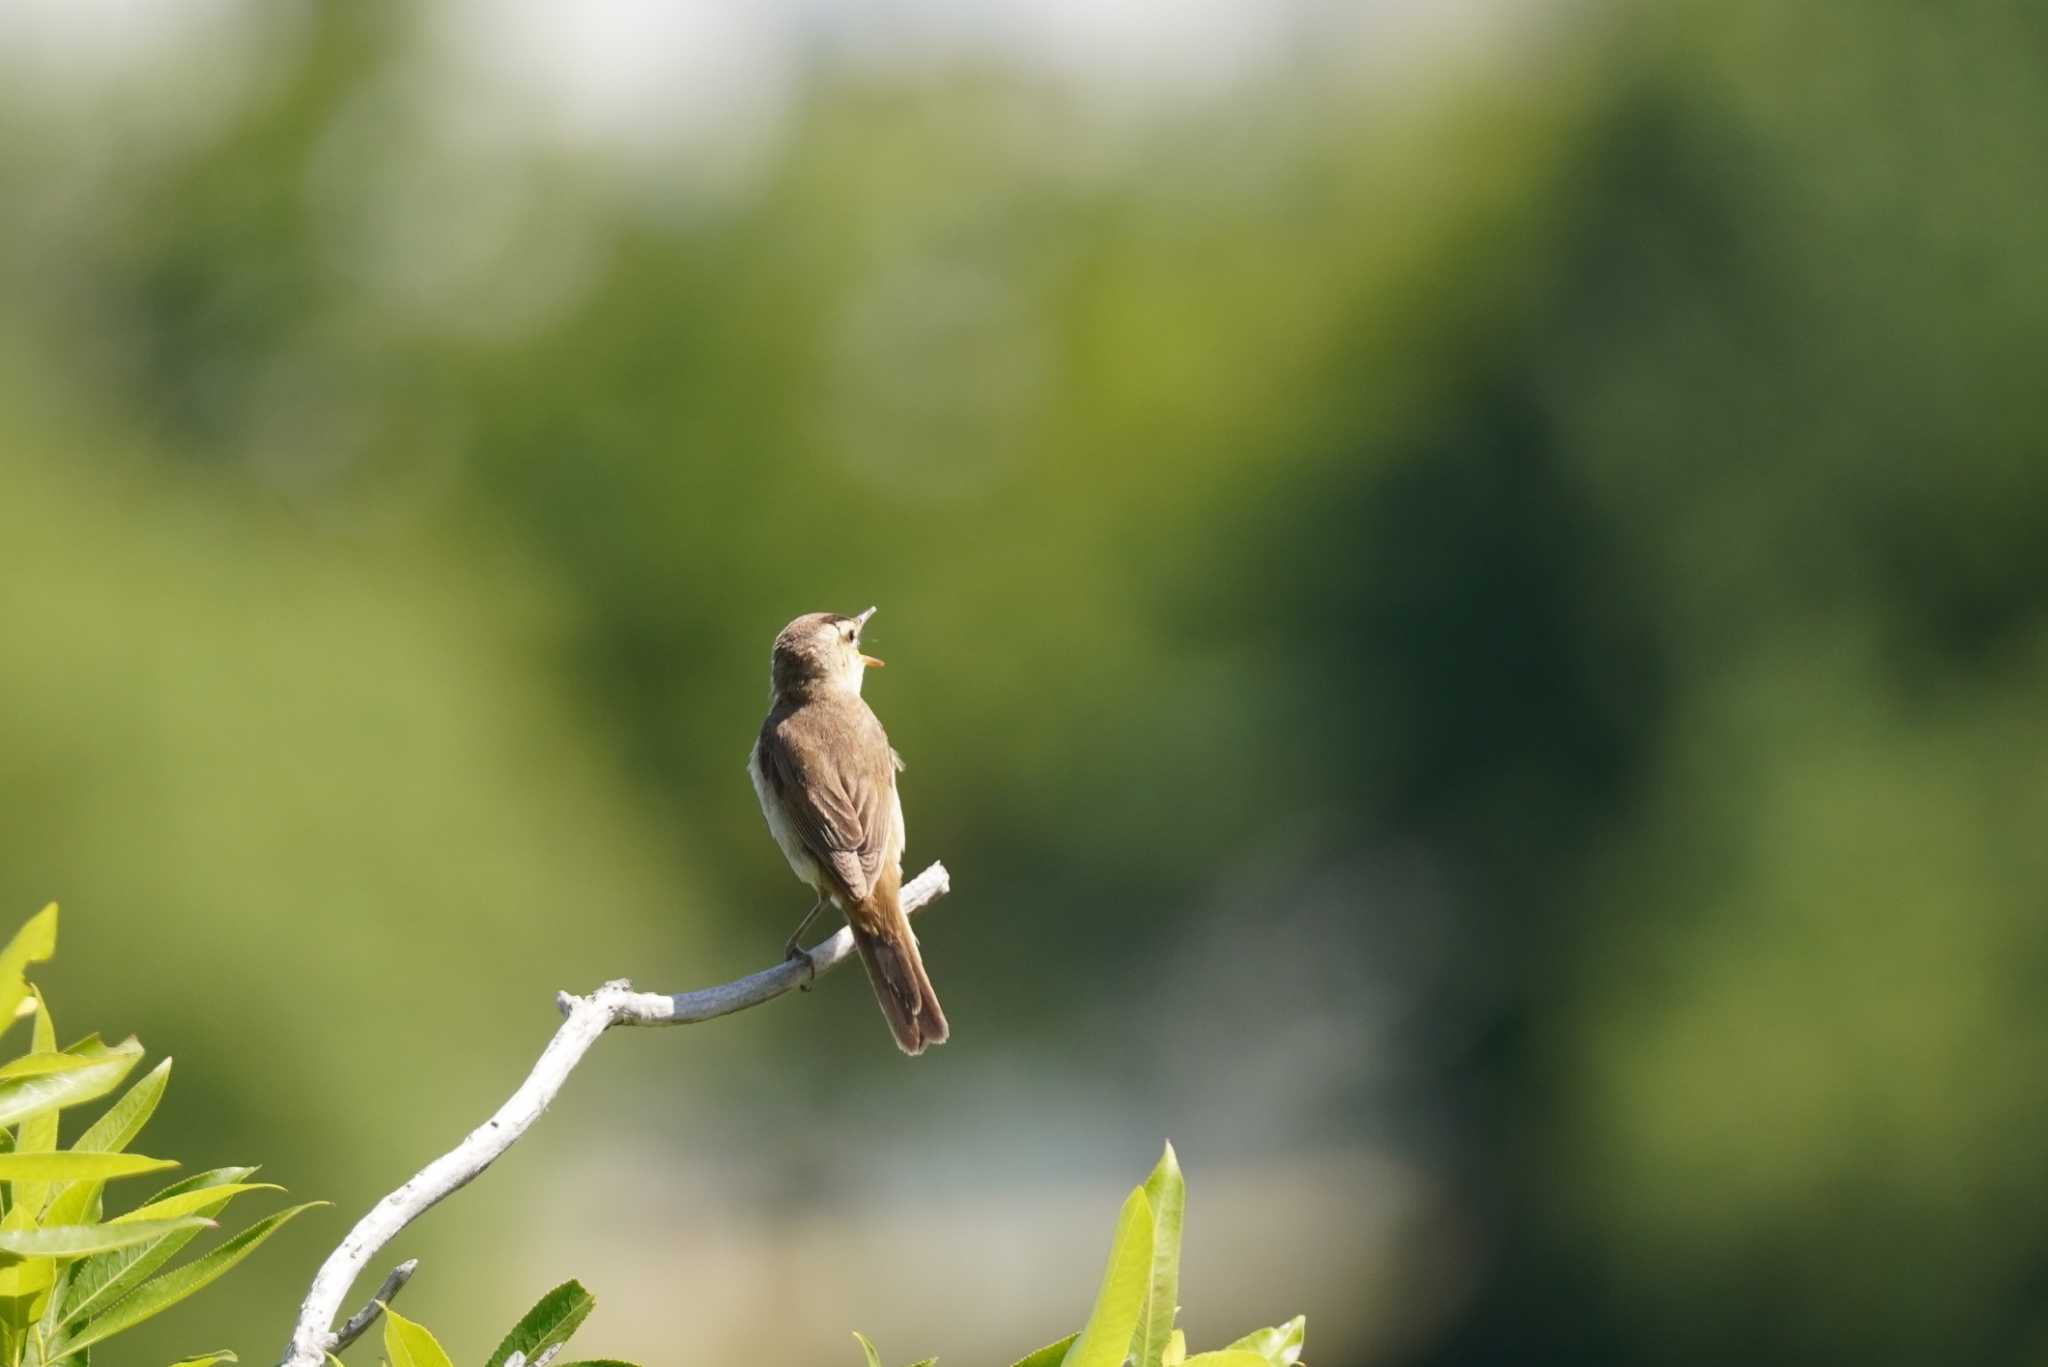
x,y
72,1277
535,1341
1139,1298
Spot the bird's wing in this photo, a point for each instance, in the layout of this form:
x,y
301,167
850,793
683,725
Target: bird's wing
x,y
835,773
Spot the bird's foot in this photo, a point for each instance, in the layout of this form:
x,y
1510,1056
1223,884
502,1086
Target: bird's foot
x,y
793,950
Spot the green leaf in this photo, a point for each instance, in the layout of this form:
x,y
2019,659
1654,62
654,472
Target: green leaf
x,y
37,1133
875,1359
33,943
25,1097
553,1318
1167,1194
211,1179
1126,1277
78,1241
43,1034
203,1202
207,1359
925,1362
34,1065
1228,1357
79,1202
1279,1346
166,1291
23,1280
123,1120
1176,1353
68,1166
408,1344
98,1282
1052,1355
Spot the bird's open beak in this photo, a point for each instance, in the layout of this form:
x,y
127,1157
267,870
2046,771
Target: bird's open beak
x,y
858,623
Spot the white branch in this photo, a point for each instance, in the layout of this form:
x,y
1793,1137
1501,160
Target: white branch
x,y
616,1003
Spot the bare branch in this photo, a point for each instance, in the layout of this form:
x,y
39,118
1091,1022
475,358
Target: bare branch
x,y
367,1316
586,1018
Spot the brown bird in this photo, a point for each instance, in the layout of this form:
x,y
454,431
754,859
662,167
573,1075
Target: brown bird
x,y
826,776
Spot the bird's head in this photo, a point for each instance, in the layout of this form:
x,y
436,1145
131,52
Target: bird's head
x,y
820,652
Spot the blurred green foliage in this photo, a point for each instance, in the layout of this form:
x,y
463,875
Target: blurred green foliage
x,y
1606,479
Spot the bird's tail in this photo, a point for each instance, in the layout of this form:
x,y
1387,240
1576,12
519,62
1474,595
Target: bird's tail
x,y
895,969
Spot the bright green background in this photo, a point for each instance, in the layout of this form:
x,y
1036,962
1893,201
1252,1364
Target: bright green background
x,y
1473,637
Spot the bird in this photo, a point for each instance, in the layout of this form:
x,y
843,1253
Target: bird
x,y
825,773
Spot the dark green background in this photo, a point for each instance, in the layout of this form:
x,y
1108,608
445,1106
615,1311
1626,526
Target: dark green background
x,y
1473,637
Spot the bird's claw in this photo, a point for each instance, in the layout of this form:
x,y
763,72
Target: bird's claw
x,y
793,950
